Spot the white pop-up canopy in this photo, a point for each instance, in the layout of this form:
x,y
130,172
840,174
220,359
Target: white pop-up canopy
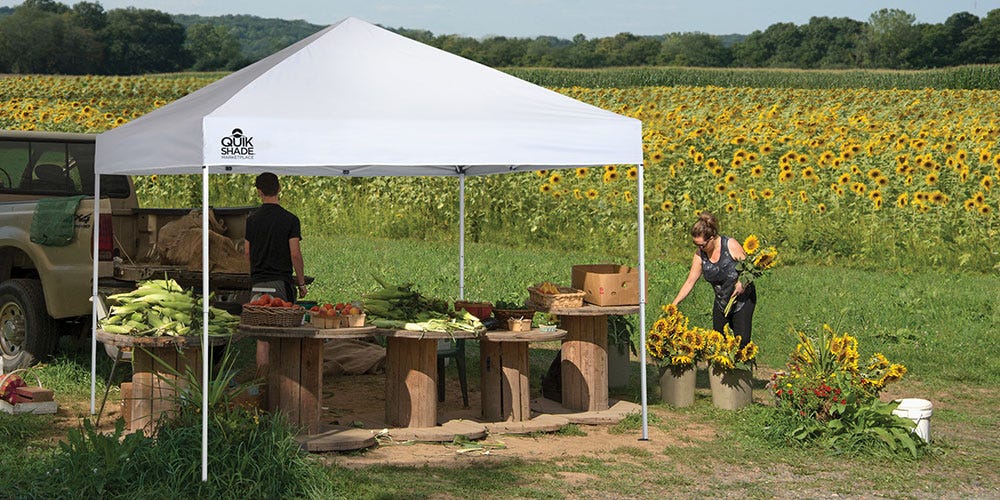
x,y
358,100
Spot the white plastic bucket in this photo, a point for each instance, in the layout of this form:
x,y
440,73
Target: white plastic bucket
x,y
918,410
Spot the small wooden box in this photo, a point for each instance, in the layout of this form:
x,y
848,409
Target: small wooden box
x,y
518,325
33,394
355,320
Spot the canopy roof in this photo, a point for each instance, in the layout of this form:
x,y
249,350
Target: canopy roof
x,y
356,99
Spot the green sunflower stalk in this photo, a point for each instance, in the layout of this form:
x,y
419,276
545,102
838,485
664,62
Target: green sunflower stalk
x,y
759,260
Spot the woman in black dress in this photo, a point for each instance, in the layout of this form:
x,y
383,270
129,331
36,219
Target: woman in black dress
x,y
715,258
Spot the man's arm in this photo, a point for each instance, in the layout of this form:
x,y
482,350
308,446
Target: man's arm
x,y
298,265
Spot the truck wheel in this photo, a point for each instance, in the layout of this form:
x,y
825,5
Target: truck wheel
x,y
27,332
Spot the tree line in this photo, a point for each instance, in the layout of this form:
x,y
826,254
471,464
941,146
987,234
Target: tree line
x,y
46,36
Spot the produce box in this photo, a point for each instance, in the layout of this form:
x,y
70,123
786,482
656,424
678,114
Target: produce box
x,y
481,310
608,284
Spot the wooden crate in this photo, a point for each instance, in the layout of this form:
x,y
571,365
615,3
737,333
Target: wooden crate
x,y
154,385
37,408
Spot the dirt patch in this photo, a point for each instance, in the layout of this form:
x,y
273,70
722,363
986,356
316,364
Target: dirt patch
x,y
360,400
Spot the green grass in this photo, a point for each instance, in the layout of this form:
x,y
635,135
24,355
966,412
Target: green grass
x,y
930,321
940,325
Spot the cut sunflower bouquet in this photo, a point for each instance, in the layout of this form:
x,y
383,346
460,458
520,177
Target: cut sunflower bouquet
x,y
672,343
759,260
723,351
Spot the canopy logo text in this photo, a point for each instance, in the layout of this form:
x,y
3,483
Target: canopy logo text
x,y
237,146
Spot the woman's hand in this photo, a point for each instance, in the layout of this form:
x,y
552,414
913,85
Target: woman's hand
x,y
738,289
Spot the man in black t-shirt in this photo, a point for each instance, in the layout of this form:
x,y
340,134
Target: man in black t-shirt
x,y
272,243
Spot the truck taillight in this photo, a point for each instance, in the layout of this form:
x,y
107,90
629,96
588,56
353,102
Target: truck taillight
x,y
105,245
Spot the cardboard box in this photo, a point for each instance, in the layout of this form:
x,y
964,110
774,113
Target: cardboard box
x,y
608,284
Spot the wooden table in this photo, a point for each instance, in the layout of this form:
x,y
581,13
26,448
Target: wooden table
x,y
294,368
411,376
503,359
585,354
156,361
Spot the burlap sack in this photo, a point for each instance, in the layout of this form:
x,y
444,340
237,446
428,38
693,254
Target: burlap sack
x,y
352,357
179,243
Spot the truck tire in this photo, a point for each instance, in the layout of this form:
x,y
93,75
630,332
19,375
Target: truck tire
x,y
27,332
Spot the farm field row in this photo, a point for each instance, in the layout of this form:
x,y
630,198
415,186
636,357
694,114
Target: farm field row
x,y
902,179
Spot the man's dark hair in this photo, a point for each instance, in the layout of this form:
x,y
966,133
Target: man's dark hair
x,y
267,183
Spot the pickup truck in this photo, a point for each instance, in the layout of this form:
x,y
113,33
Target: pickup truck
x,y
45,290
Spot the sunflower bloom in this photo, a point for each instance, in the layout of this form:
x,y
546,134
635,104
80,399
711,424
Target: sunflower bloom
x,y
751,244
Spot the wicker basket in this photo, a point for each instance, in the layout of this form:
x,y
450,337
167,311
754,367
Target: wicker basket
x,y
272,316
502,315
567,298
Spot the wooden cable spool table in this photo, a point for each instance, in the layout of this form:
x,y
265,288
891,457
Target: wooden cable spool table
x,y
503,357
585,354
294,368
411,376
156,361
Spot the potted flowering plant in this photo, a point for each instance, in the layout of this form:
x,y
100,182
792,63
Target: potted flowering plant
x,y
676,348
730,368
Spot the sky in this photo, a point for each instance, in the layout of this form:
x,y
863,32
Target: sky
x,y
561,18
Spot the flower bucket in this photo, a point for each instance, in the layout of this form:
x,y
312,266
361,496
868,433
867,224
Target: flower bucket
x,y
619,368
731,389
920,411
677,386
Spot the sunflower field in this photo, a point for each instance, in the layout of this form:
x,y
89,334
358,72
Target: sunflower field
x,y
875,178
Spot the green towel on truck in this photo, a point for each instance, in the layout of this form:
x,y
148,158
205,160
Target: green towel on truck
x,y
52,224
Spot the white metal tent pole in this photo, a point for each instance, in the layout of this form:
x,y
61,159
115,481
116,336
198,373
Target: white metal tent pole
x,y
461,235
642,307
93,295
204,323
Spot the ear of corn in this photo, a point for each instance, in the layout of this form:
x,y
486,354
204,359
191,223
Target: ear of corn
x,y
162,307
